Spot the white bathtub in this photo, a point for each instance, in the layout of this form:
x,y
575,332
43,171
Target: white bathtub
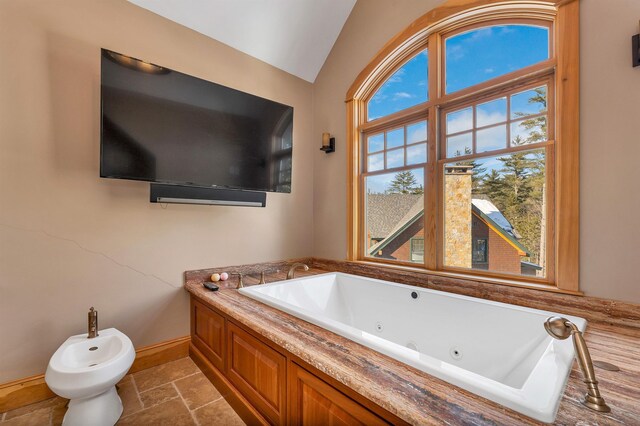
x,y
498,351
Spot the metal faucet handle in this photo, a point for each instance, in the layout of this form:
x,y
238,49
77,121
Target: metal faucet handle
x,y
263,274
240,283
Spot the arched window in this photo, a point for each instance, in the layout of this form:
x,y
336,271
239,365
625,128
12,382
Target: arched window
x,y
463,145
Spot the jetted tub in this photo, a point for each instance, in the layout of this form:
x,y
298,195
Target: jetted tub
x,y
496,350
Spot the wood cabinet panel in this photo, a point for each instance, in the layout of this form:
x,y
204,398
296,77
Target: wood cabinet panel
x,y
268,384
258,372
313,402
208,333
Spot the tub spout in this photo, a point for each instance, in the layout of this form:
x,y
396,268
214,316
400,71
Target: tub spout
x,y
561,328
292,269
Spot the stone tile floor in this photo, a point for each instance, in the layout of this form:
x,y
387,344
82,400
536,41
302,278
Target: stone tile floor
x,y
175,393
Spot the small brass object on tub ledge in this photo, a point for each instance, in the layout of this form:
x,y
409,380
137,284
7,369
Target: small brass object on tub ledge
x,y
561,328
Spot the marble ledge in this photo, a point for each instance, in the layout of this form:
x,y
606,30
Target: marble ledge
x,y
415,396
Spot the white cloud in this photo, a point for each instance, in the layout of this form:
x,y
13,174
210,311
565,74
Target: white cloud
x,y
459,121
397,76
481,33
491,139
402,95
376,162
484,118
506,30
395,158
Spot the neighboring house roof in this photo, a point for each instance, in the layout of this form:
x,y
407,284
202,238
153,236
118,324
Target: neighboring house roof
x,y
414,213
393,204
488,212
484,204
531,265
385,211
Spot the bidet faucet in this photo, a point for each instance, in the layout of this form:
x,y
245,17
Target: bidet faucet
x,y
292,269
92,323
561,328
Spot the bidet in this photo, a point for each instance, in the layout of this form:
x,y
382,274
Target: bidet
x,y
85,371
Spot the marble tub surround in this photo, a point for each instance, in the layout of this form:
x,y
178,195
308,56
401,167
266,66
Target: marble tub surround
x,y
274,271
592,308
419,398
175,393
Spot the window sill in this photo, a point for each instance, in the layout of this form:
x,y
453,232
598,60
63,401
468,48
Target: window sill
x,y
470,277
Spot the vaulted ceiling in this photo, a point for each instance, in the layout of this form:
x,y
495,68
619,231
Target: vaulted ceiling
x,y
293,35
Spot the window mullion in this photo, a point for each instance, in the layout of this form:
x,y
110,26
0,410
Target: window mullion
x,y
431,180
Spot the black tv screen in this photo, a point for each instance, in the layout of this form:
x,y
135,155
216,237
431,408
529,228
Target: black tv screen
x,y
161,125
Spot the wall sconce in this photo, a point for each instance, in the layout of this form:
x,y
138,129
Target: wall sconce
x,y
635,49
328,143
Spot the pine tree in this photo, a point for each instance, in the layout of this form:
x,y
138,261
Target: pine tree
x,y
478,172
493,187
518,187
405,183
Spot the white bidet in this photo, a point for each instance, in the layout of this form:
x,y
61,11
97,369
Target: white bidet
x,y
85,371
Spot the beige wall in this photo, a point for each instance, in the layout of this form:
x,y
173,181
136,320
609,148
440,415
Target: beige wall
x,y
70,240
610,145
371,24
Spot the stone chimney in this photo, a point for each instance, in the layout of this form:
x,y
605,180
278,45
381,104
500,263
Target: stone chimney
x,y
457,215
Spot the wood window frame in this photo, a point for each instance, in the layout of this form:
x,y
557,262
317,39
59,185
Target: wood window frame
x,y
428,32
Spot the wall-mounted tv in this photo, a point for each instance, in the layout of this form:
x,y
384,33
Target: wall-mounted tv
x,y
160,125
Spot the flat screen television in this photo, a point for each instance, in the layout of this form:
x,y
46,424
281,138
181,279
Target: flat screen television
x,y
160,125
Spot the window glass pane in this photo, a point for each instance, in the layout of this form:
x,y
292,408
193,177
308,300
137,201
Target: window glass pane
x,y
493,210
491,138
531,130
394,205
528,103
375,162
417,132
479,253
479,55
417,154
417,250
459,121
395,138
492,112
287,135
375,143
405,88
395,158
459,145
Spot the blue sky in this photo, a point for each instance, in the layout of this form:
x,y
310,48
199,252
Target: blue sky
x,y
485,53
471,58
405,88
